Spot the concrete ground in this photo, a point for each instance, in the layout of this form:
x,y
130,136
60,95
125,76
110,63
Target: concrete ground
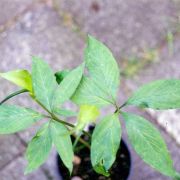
x,y
144,36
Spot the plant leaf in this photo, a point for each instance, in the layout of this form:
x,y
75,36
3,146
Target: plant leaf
x,y
87,114
62,141
161,94
21,78
60,75
44,82
38,149
148,143
65,112
89,93
102,67
68,86
14,118
105,143
177,176
100,87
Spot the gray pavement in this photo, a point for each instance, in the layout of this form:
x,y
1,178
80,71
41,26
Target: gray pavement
x,y
55,31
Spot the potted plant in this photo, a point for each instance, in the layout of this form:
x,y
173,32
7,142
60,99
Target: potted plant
x,y
91,86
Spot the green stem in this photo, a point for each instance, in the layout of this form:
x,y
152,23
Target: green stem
x,y
119,108
83,142
122,105
68,124
12,95
78,138
54,117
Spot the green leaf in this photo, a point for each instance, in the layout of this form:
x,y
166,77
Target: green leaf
x,y
105,143
14,118
21,78
102,67
148,143
44,82
177,176
100,87
99,168
89,93
60,75
87,114
65,112
161,94
68,86
38,149
62,141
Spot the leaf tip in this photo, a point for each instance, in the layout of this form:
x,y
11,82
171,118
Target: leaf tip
x,y
89,36
28,170
70,168
91,39
36,59
99,168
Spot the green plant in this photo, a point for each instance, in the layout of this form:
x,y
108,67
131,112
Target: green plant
x,y
90,91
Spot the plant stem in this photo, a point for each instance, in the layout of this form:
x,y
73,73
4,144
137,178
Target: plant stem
x,y
83,142
43,106
54,117
122,105
12,95
119,108
78,138
66,123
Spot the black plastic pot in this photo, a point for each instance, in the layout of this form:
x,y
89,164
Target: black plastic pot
x,y
83,168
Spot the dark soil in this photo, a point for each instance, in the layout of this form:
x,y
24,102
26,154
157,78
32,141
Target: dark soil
x,y
83,168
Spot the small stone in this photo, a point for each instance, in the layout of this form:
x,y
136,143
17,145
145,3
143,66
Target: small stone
x,y
76,178
77,160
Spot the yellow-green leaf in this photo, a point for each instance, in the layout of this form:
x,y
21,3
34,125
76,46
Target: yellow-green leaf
x,y
87,114
21,78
